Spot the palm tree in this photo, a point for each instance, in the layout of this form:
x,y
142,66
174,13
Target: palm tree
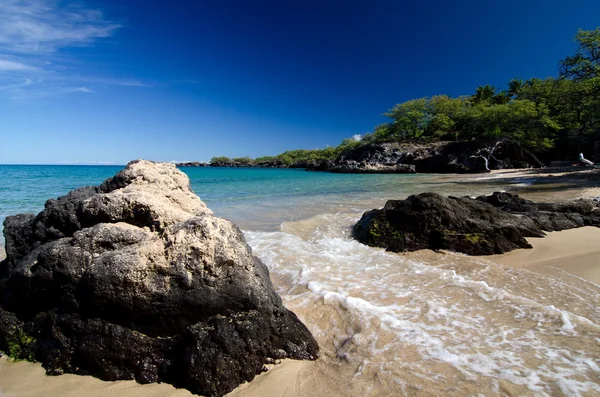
x,y
515,86
501,98
484,93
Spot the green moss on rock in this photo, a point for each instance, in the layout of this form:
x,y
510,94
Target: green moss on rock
x,y
19,347
476,238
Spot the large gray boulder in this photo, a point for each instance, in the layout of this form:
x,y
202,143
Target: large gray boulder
x,y
137,279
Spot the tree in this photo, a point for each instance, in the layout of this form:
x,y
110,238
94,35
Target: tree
x,y
585,64
381,133
243,160
409,119
583,97
514,87
501,98
220,159
521,120
484,93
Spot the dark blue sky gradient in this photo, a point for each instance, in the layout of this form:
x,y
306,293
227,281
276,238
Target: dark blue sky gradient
x,y
256,78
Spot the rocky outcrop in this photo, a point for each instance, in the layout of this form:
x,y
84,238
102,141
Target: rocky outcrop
x,y
487,225
231,164
433,157
192,164
409,157
137,279
354,167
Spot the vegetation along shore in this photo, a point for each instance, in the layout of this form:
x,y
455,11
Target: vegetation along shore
x,y
531,123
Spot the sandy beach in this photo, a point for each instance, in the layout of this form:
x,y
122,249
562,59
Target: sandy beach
x,y
28,379
575,252
566,254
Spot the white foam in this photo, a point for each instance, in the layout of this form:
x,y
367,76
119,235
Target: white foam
x,y
391,306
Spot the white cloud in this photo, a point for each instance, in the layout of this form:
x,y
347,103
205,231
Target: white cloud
x,y
6,65
83,89
32,35
42,26
79,162
109,81
357,137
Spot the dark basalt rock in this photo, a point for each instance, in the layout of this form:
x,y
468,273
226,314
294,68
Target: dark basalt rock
x,y
137,279
355,167
192,164
440,157
484,226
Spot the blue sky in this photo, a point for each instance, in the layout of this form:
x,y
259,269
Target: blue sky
x,y
97,81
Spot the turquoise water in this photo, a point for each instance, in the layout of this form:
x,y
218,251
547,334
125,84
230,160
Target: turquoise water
x,y
253,198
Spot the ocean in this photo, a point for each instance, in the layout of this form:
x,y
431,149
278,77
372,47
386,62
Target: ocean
x,y
423,323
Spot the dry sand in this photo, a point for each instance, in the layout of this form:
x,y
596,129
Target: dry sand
x,y
24,379
576,252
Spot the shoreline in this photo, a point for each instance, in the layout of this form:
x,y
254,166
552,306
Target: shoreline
x,y
548,184
567,254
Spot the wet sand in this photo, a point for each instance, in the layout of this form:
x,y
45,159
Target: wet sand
x,y
573,253
546,184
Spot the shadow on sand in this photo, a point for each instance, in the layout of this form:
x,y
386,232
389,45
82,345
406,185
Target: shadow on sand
x,y
543,180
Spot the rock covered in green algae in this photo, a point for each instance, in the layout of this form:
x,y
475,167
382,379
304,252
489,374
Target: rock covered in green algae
x,y
137,279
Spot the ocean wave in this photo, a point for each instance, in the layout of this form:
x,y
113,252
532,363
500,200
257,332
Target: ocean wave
x,y
410,324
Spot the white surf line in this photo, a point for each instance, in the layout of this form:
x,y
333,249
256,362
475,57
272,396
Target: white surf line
x,y
499,293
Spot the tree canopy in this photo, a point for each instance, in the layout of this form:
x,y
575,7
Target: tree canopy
x,y
557,116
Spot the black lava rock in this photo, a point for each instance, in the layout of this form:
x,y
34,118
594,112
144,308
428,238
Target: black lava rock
x,y
484,226
137,279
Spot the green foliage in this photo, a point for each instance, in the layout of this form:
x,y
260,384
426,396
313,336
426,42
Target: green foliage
x,y
541,115
409,119
19,347
220,159
585,64
484,94
537,113
514,87
264,159
243,160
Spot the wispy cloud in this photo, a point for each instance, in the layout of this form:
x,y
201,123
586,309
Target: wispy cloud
x,y
42,26
85,163
6,65
32,35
